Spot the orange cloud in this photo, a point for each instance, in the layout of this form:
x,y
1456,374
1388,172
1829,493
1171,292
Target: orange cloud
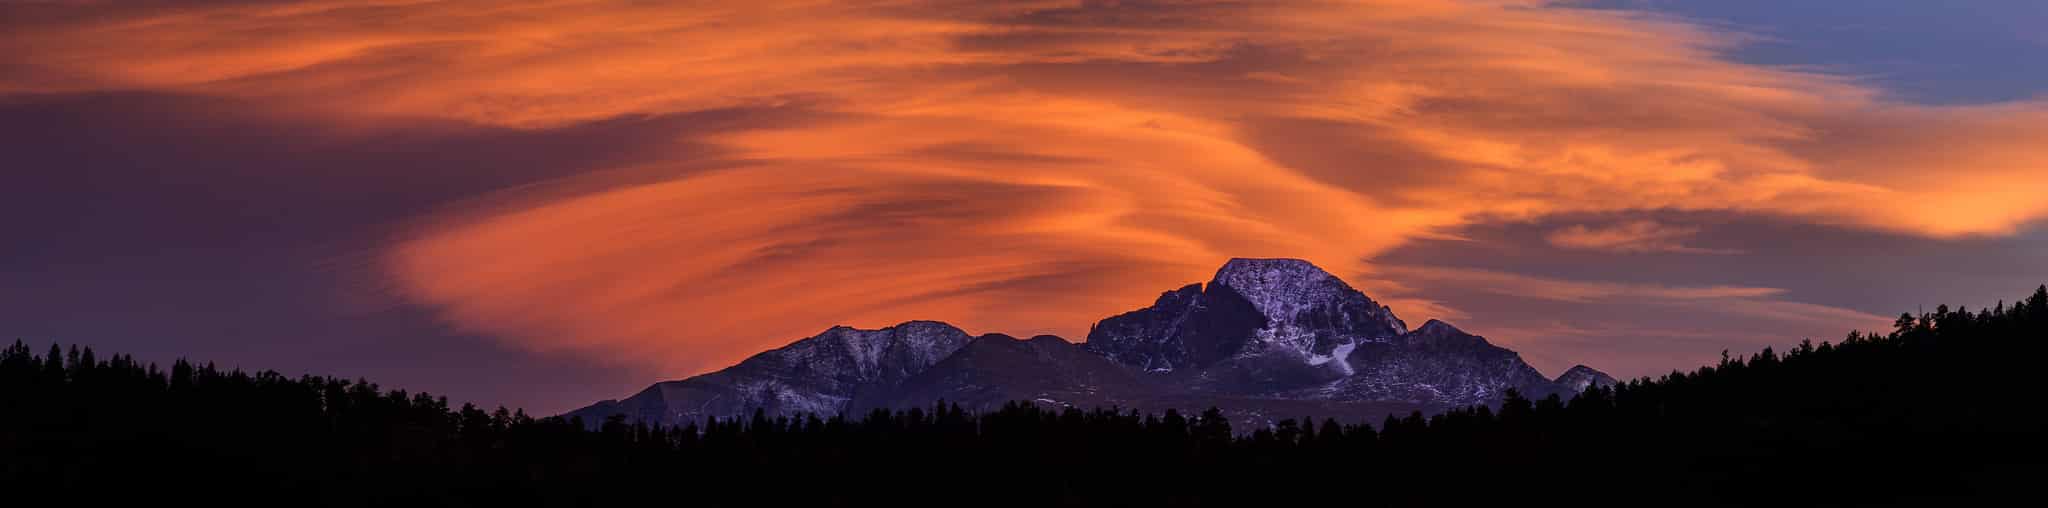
x,y
1572,290
1031,166
1745,301
1640,236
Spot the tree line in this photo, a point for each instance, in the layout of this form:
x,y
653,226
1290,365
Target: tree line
x,y
1943,407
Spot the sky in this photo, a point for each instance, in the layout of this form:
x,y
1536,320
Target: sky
x,y
544,203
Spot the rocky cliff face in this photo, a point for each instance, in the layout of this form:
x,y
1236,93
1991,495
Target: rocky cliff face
x,y
820,374
995,368
1265,338
1310,336
1187,328
1253,309
1309,313
1437,365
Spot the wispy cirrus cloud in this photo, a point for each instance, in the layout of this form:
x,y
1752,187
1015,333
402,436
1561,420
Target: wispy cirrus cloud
x,y
1633,237
1631,328
1567,290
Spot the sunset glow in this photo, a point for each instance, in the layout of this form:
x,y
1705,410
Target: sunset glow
x,y
749,173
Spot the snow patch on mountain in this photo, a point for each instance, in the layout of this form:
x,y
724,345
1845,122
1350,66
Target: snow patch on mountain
x,y
1339,355
1280,288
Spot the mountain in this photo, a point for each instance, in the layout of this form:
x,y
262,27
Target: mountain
x,y
1436,365
1253,310
820,374
995,368
1263,339
1260,326
1579,377
1285,329
1052,373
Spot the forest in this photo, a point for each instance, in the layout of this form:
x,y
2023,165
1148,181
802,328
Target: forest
x,y
1943,408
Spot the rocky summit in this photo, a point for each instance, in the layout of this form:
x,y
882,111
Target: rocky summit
x,y
1263,339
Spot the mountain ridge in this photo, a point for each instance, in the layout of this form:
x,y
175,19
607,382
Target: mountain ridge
x,y
1262,338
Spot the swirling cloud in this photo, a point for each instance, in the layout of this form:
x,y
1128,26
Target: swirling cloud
x,y
1032,166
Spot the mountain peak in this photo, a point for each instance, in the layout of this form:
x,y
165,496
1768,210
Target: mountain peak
x,y
1437,326
920,324
904,345
1283,289
1269,262
1049,339
1579,377
1255,312
1279,287
1278,269
1444,334
924,324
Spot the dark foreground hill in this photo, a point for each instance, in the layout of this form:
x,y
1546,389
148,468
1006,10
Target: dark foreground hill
x,y
1941,411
